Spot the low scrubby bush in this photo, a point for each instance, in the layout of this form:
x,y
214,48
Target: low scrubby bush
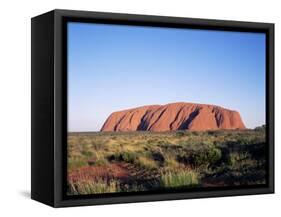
x,y
128,157
75,164
87,153
158,156
180,133
236,157
201,157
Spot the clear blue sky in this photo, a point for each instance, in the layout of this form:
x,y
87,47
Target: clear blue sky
x,y
115,67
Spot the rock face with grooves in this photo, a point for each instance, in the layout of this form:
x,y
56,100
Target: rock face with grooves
x,y
174,116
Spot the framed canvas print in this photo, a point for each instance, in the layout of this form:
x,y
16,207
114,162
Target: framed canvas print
x,y
134,108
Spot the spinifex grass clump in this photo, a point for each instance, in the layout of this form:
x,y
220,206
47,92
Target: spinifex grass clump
x,y
98,186
180,178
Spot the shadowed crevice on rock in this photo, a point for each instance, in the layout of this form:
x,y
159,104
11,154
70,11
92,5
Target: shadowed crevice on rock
x,y
185,124
176,118
143,125
158,118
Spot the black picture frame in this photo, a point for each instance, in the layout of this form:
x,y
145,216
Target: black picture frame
x,y
49,106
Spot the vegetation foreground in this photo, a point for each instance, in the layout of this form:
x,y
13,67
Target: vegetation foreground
x,y
104,162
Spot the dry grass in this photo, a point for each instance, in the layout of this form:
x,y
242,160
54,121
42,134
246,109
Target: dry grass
x,y
169,159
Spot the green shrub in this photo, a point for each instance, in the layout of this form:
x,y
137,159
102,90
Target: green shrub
x,y
202,157
87,153
180,133
235,158
205,157
195,133
211,132
128,157
75,164
158,156
260,128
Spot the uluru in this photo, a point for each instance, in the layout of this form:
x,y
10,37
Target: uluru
x,y
174,116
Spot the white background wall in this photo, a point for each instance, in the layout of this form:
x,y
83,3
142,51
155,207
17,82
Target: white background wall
x,y
15,106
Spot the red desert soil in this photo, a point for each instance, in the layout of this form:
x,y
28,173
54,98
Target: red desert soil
x,y
121,171
174,116
114,170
